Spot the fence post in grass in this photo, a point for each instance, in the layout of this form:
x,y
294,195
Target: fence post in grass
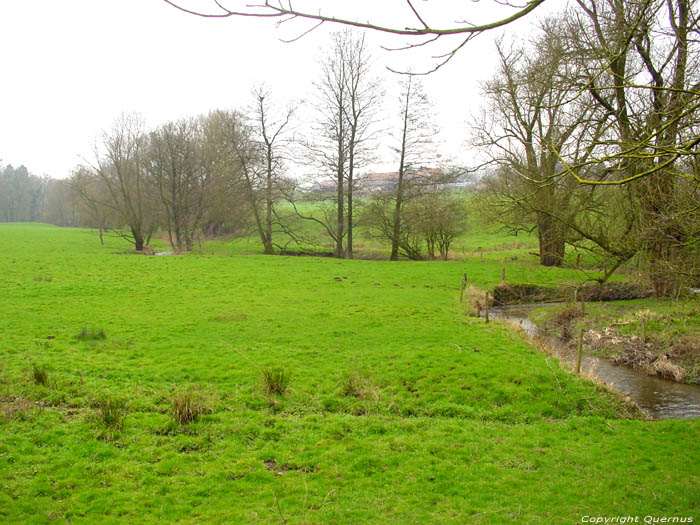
x,y
503,275
486,313
464,287
644,330
579,349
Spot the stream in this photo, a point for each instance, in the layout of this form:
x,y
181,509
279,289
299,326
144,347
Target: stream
x,y
659,398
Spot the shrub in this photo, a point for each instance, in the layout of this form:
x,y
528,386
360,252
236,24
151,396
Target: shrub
x,y
275,381
40,375
188,404
91,334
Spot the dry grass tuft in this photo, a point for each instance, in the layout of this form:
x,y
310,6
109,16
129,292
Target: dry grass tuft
x,y
188,404
663,367
476,301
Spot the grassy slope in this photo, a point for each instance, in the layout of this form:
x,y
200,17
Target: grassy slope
x,y
464,421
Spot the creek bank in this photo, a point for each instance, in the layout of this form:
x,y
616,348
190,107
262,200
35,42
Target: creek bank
x,y
658,397
671,358
519,293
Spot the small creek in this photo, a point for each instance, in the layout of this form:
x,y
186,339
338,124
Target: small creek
x,y
660,398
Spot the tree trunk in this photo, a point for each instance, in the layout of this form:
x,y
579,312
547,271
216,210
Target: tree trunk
x,y
348,249
138,239
340,228
396,233
551,240
659,232
267,239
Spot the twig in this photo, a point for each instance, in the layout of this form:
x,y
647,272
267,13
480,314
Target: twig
x,y
279,509
554,374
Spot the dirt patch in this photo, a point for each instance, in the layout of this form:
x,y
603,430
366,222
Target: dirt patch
x,y
281,468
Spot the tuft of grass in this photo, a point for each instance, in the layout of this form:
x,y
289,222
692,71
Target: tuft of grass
x,y
360,386
91,334
110,415
275,380
40,375
188,404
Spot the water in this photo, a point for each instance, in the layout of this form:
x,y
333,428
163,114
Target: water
x,y
660,398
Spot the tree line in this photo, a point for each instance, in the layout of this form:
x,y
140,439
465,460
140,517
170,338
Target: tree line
x,y
225,172
589,132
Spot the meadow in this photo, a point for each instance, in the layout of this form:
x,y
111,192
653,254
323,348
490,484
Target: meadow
x,y
393,406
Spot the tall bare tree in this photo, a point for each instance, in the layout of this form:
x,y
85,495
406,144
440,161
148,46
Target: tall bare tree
x,y
121,168
532,120
271,126
348,95
180,169
365,94
415,134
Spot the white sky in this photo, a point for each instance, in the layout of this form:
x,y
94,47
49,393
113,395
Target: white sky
x,y
71,67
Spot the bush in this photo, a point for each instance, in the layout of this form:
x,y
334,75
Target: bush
x,y
188,404
275,381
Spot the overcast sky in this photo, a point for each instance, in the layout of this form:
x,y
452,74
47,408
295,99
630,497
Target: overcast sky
x,y
70,68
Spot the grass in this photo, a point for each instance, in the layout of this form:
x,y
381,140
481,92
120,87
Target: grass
x,y
400,409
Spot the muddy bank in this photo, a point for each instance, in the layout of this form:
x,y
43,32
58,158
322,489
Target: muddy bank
x,y
677,360
513,293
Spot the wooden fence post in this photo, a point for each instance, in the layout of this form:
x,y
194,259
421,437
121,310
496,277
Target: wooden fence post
x,y
488,305
579,350
464,287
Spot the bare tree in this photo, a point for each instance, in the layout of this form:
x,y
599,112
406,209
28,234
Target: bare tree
x,y
237,162
120,166
180,169
364,94
641,62
347,102
530,122
271,125
416,133
92,194
440,217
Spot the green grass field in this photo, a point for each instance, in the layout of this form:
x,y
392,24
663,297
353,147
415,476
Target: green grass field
x,y
399,408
